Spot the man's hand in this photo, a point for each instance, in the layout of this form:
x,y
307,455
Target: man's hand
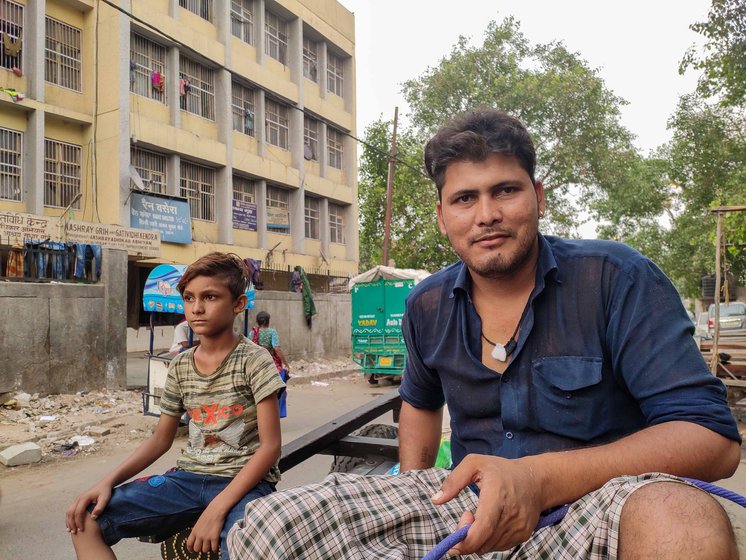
x,y
509,502
75,515
205,535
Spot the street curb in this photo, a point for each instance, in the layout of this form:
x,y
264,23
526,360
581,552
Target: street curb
x,y
323,376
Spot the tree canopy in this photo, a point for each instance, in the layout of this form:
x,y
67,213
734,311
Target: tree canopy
x,y
723,60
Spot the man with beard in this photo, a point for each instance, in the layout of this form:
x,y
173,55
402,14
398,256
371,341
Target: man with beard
x,y
570,375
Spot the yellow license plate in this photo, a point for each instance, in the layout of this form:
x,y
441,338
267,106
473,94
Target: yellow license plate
x,y
385,361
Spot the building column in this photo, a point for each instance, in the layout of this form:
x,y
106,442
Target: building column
x,y
172,86
260,126
323,154
224,176
222,21
261,213
351,231
259,18
321,64
123,116
173,9
297,206
324,227
33,162
173,175
33,49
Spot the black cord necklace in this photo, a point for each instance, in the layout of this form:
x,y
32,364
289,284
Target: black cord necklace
x,y
502,353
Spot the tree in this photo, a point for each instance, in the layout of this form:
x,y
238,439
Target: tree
x,y
415,240
723,62
573,118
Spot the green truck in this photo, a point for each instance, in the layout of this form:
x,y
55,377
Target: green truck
x,y
378,297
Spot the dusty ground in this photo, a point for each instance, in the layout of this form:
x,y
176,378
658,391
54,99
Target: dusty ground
x,y
91,422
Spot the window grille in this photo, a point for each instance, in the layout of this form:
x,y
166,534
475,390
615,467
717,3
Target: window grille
x,y
197,88
334,142
310,59
11,26
11,150
312,217
62,55
242,20
276,37
311,137
278,198
334,74
276,123
198,187
62,173
202,8
244,190
147,68
336,223
151,167
243,109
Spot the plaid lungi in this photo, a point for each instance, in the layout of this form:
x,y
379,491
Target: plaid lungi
x,y
353,517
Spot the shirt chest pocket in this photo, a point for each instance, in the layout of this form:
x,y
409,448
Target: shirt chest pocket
x,y
568,396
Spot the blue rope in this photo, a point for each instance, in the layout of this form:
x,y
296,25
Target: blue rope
x,y
556,516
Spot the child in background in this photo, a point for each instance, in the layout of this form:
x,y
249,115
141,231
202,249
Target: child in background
x,y
229,387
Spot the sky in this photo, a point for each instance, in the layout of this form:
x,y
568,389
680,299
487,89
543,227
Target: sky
x,y
636,45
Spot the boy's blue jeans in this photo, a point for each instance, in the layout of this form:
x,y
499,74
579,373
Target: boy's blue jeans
x,y
163,505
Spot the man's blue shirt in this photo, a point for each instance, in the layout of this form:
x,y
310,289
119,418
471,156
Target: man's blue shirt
x,y
605,349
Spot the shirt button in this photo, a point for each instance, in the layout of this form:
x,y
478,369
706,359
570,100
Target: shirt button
x,y
568,395
509,435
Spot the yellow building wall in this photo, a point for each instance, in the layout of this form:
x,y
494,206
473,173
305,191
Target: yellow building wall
x,y
328,189
243,238
204,128
337,251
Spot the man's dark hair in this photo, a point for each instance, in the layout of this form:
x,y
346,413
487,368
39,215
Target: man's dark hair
x,y
262,319
229,266
473,136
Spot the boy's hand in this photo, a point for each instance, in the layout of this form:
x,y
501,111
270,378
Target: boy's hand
x,y
75,516
205,535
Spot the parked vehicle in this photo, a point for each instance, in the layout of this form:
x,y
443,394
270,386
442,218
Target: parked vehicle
x,y
732,319
701,328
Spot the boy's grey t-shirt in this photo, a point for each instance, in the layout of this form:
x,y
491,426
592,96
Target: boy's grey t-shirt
x,y
223,432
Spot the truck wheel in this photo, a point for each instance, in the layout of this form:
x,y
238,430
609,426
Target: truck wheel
x,y
344,464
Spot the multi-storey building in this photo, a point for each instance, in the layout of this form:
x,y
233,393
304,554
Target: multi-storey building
x,y
240,114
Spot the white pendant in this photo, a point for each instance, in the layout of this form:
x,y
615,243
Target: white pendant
x,y
498,353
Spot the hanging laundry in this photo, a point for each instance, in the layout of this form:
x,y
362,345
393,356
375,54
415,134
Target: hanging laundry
x,y
182,87
12,47
14,268
14,95
248,121
158,81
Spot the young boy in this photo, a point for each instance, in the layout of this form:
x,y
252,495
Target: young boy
x,y
229,387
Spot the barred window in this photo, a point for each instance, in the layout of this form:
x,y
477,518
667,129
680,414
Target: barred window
x,y
11,26
62,55
336,223
243,109
198,187
242,20
202,8
151,167
276,37
276,123
310,59
334,74
197,88
334,144
311,137
62,173
11,149
278,209
147,68
244,190
312,217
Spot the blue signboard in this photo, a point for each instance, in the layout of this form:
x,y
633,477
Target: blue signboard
x,y
244,215
170,216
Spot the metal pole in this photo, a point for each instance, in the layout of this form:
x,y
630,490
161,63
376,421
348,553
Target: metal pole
x,y
718,242
389,192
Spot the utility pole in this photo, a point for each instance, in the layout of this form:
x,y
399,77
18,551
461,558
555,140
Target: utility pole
x,y
389,192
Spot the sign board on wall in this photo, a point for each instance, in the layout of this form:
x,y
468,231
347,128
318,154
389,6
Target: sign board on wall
x,y
19,227
244,215
169,216
278,218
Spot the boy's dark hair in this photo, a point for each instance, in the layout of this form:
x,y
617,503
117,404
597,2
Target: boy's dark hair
x,y
262,319
229,266
473,136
